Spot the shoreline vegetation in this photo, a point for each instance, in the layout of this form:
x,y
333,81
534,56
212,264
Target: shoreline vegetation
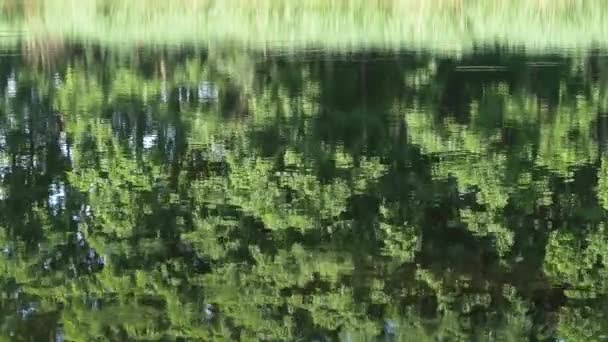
x,y
448,26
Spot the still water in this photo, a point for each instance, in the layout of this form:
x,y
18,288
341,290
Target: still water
x,y
181,192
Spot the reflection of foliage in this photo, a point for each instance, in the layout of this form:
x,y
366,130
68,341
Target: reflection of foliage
x,y
583,323
210,196
579,262
602,189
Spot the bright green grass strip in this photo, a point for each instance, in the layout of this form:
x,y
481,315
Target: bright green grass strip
x,y
444,25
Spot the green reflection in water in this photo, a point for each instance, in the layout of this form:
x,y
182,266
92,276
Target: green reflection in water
x,y
206,194
231,193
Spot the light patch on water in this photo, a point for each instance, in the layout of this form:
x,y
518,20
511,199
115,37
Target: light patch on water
x,y
216,152
164,94
57,80
4,165
171,133
11,85
57,197
11,120
207,92
149,140
132,145
63,145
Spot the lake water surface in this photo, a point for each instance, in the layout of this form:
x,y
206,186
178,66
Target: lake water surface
x,y
315,190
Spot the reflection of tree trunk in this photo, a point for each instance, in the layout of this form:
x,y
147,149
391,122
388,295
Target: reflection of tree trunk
x,y
43,51
21,8
31,8
42,48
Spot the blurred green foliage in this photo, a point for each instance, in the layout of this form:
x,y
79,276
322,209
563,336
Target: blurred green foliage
x,y
158,194
451,26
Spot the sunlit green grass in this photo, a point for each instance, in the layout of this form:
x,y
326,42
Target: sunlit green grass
x,y
449,25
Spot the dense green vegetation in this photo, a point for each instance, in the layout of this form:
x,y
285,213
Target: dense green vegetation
x,y
446,25
223,194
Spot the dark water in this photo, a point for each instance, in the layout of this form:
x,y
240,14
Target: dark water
x,y
188,194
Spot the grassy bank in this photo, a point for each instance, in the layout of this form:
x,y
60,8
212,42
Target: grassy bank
x,y
448,25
